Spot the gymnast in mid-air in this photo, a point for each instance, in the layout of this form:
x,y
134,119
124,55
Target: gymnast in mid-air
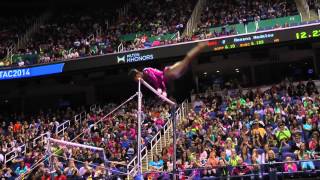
x,y
158,79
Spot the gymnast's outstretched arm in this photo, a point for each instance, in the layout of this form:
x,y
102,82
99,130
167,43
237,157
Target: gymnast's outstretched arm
x,y
178,69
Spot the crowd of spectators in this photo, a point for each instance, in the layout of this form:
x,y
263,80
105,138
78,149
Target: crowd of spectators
x,y
12,28
71,34
248,132
314,5
157,17
116,135
205,33
18,130
221,13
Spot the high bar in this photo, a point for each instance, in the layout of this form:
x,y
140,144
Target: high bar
x,y
157,93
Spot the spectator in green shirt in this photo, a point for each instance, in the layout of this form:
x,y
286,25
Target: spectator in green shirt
x,y
283,133
233,161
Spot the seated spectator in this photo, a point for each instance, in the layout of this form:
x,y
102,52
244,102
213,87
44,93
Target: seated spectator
x,y
165,155
290,166
86,170
306,164
272,162
100,172
198,103
71,170
241,168
21,169
307,128
282,133
6,172
212,163
314,142
60,176
46,175
297,141
29,160
245,155
203,156
156,164
258,134
301,151
233,160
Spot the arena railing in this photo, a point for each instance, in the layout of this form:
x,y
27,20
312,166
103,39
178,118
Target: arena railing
x,y
144,152
157,140
120,47
62,127
93,107
132,167
306,8
253,171
194,18
14,153
77,118
80,117
96,108
39,139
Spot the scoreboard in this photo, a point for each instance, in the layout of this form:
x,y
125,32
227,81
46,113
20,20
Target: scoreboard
x,y
265,37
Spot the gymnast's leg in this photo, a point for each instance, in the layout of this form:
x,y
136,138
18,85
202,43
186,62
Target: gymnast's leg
x,y
178,69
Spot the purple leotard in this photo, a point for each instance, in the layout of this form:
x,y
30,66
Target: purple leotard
x,y
155,77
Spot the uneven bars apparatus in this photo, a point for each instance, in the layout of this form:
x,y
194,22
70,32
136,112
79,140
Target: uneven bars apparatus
x,y
139,118
37,163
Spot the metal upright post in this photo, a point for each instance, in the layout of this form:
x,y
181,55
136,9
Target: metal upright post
x,y
139,129
174,134
49,156
105,161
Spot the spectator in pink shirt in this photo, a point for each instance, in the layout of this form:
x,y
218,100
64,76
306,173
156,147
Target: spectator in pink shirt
x,y
290,166
159,122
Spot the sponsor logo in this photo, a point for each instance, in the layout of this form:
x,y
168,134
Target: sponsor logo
x,y
121,59
134,57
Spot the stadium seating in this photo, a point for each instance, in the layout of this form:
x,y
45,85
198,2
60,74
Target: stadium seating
x,y
117,134
258,125
12,28
63,37
234,15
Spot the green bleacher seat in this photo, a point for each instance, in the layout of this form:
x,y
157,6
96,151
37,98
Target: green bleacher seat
x,y
251,27
131,37
32,58
280,21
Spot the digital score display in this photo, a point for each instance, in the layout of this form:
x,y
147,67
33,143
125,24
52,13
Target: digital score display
x,y
305,34
265,37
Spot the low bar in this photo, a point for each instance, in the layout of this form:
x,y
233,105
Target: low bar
x,y
75,144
